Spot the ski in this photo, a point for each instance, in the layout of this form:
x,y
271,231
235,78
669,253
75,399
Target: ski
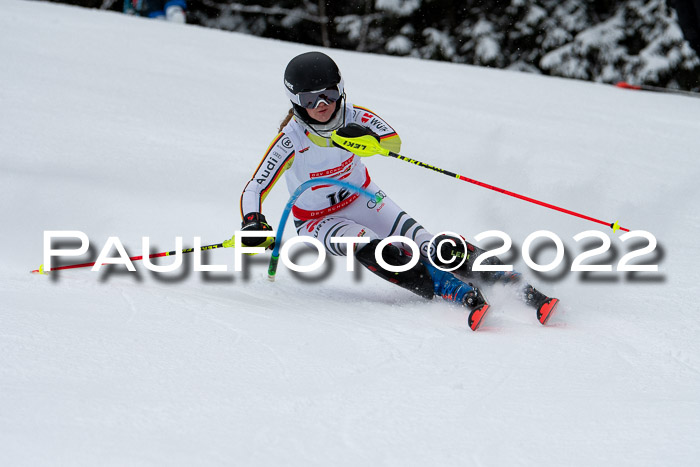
x,y
477,316
544,305
545,310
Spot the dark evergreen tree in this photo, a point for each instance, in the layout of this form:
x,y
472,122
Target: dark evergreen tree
x,y
638,41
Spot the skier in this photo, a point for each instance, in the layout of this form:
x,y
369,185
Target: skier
x,y
170,10
303,150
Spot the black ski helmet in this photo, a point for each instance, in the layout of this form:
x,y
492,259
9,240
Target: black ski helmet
x,y
312,72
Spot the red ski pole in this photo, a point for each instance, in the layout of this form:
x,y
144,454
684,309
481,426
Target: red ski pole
x,y
367,145
613,225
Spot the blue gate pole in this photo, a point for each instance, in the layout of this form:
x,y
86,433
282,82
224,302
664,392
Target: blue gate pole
x,y
274,259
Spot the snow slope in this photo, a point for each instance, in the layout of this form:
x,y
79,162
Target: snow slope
x,y
119,126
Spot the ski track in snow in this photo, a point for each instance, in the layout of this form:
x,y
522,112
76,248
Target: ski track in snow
x,y
341,368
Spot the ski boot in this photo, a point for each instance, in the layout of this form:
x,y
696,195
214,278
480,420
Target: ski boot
x,y
452,289
543,304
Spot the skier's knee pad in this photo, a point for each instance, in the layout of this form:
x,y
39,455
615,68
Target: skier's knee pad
x,y
417,279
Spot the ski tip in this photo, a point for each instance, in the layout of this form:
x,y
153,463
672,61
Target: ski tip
x,y
545,311
625,85
477,316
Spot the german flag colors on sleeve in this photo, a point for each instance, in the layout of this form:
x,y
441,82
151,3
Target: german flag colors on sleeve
x,y
388,138
278,158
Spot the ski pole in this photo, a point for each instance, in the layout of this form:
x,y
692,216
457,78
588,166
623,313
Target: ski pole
x,y
646,87
274,258
367,145
224,244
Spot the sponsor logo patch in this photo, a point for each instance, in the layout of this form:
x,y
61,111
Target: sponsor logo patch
x,y
347,164
379,125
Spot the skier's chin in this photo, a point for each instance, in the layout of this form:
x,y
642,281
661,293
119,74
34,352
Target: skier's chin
x,y
324,115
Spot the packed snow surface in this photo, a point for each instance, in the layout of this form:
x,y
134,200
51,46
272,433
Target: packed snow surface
x,y
123,127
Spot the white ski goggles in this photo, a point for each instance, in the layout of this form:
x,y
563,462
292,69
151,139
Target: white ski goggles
x,y
312,99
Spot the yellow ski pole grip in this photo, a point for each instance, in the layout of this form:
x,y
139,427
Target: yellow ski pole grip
x,y
363,146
